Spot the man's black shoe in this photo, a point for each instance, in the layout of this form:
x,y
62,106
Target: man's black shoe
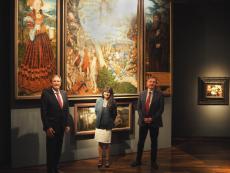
x,y
154,165
135,164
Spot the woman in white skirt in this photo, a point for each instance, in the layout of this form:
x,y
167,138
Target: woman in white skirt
x,y
106,112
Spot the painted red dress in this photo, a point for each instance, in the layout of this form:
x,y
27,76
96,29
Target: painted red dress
x,y
38,63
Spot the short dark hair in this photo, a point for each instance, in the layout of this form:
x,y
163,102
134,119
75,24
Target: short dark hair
x,y
152,77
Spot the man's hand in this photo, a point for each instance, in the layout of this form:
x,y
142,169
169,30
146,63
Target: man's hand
x,y
67,129
158,45
50,132
148,120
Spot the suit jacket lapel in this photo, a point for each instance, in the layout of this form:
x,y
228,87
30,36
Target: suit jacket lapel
x,y
144,96
154,98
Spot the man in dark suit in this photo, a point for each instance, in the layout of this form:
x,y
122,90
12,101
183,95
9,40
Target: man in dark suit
x,y
150,107
55,119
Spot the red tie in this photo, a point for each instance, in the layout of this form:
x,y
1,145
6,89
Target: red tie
x,y
59,100
147,104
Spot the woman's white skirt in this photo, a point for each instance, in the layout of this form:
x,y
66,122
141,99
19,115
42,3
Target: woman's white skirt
x,y
103,135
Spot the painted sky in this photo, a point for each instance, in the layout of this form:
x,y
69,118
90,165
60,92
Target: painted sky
x,y
107,21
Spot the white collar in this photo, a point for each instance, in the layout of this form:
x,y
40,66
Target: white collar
x,y
150,91
56,92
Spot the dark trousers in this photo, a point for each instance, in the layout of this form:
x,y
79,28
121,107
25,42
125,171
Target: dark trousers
x,y
53,151
143,131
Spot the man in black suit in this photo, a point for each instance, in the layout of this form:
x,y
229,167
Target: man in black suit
x,y
150,107
55,119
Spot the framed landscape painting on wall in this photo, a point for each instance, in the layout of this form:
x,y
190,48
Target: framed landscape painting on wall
x,y
36,46
157,42
85,118
101,47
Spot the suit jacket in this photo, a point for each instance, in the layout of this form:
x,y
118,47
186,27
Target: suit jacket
x,y
156,108
52,114
108,116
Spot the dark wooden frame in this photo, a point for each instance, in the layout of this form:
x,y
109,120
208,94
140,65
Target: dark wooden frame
x,y
127,105
206,98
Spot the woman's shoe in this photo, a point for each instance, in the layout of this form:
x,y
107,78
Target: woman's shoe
x,y
107,164
99,165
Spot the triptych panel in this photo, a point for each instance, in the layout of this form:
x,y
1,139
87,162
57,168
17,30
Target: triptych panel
x,y
116,43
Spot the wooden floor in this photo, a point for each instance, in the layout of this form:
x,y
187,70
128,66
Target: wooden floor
x,y
184,157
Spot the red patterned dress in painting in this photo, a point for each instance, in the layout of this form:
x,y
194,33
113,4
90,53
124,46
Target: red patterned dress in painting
x,y
38,63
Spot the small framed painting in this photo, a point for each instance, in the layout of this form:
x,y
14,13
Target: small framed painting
x,y
213,90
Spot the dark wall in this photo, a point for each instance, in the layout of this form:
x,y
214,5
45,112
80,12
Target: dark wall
x,y
201,48
4,86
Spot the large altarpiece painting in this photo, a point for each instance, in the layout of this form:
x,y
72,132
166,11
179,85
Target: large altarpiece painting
x,y
101,47
116,43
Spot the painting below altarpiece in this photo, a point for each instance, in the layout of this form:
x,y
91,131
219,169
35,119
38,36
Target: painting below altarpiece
x,y
85,118
36,42
101,47
157,17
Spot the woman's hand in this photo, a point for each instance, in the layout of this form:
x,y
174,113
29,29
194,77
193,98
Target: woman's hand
x,y
67,129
